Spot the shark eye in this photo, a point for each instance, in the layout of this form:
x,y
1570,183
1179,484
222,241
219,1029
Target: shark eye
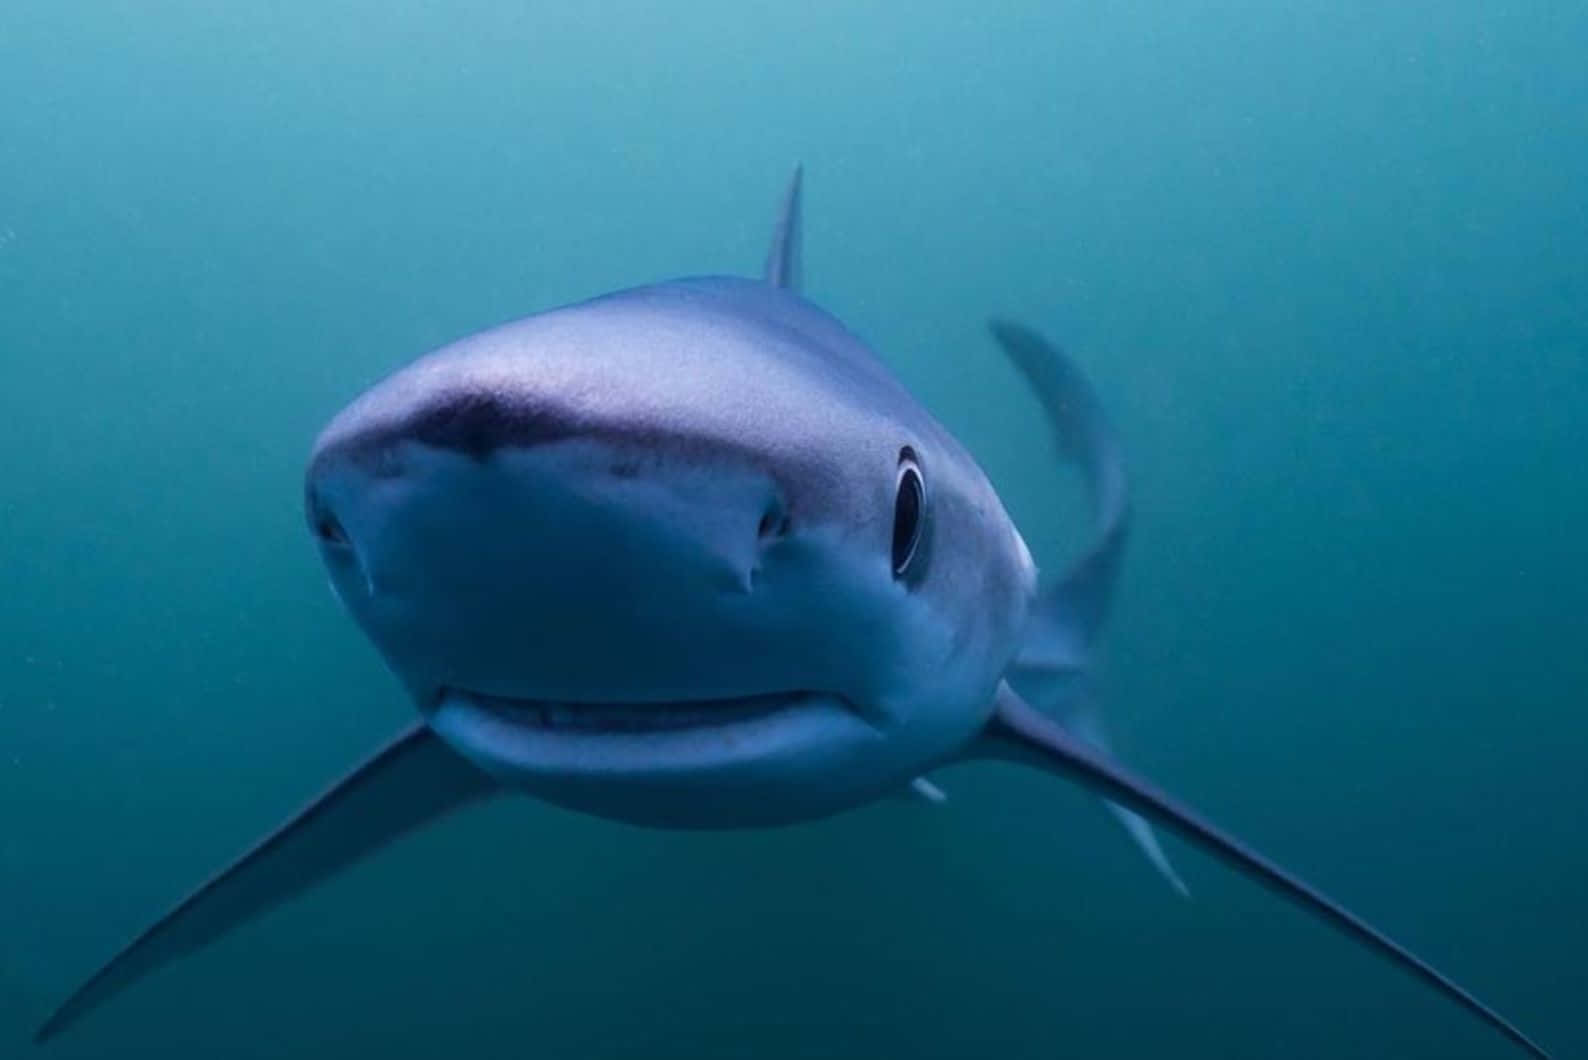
x,y
909,510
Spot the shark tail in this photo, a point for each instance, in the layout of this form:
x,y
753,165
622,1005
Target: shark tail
x,y
1052,670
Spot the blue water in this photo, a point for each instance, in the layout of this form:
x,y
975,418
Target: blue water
x,y
1326,267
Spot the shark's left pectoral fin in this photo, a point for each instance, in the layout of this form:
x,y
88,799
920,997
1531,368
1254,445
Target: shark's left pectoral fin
x,y
411,780
1021,733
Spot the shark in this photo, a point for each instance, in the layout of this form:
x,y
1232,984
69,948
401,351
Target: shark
x,y
690,556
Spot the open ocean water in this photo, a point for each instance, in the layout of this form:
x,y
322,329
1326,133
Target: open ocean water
x,y
1327,263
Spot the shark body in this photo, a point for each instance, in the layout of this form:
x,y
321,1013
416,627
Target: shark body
x,y
689,556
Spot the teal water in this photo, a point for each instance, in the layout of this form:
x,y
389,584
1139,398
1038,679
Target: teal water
x,y
1326,267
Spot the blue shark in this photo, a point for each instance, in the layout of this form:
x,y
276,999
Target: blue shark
x,y
690,556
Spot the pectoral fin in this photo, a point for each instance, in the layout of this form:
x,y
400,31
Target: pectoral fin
x,y
413,779
1021,733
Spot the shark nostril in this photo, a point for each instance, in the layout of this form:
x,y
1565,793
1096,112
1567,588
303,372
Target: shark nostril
x,y
326,526
327,529
774,523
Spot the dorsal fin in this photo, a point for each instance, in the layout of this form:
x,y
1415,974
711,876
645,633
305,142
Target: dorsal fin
x,y
783,260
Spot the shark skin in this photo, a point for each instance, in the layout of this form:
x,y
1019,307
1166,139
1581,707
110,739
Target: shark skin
x,y
689,556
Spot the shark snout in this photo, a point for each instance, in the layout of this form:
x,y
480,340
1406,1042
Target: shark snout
x,y
579,569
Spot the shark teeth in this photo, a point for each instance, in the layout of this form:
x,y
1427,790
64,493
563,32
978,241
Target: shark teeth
x,y
635,717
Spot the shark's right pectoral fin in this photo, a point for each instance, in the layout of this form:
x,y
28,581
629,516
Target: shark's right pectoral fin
x,y
1022,733
411,780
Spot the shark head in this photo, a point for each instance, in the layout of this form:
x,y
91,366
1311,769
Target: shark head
x,y
683,555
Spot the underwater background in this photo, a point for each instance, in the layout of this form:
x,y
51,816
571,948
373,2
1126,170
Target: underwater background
x,y
1327,264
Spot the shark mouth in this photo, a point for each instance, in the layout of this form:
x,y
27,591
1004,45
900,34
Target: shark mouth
x,y
658,716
